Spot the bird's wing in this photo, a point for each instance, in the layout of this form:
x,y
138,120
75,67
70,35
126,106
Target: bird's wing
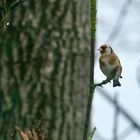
x,y
114,71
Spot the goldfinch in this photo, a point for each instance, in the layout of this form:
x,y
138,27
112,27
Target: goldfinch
x,y
110,64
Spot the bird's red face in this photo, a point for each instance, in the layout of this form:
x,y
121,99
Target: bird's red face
x,y
103,49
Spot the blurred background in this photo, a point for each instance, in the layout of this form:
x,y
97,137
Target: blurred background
x,y
116,112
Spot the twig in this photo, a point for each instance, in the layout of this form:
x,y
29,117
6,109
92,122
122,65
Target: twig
x,y
91,84
108,79
103,82
91,134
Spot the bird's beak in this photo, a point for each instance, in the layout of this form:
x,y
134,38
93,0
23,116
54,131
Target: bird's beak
x,y
100,49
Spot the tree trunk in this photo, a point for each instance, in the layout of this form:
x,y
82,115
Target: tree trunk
x,y
44,68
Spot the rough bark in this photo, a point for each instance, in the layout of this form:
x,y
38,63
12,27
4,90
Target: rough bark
x,y
44,62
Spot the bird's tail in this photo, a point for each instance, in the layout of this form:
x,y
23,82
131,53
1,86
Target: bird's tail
x,y
116,83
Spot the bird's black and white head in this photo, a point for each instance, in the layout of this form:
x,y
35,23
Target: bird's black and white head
x,y
105,49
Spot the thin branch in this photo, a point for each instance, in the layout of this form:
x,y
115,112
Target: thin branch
x,y
92,134
116,119
103,82
108,79
91,82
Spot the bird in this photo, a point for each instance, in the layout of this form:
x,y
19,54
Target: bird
x,y
110,64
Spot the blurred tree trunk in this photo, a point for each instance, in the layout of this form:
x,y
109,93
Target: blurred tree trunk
x,y
44,62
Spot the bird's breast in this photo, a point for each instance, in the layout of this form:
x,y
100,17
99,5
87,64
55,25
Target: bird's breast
x,y
108,62
106,66
105,62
